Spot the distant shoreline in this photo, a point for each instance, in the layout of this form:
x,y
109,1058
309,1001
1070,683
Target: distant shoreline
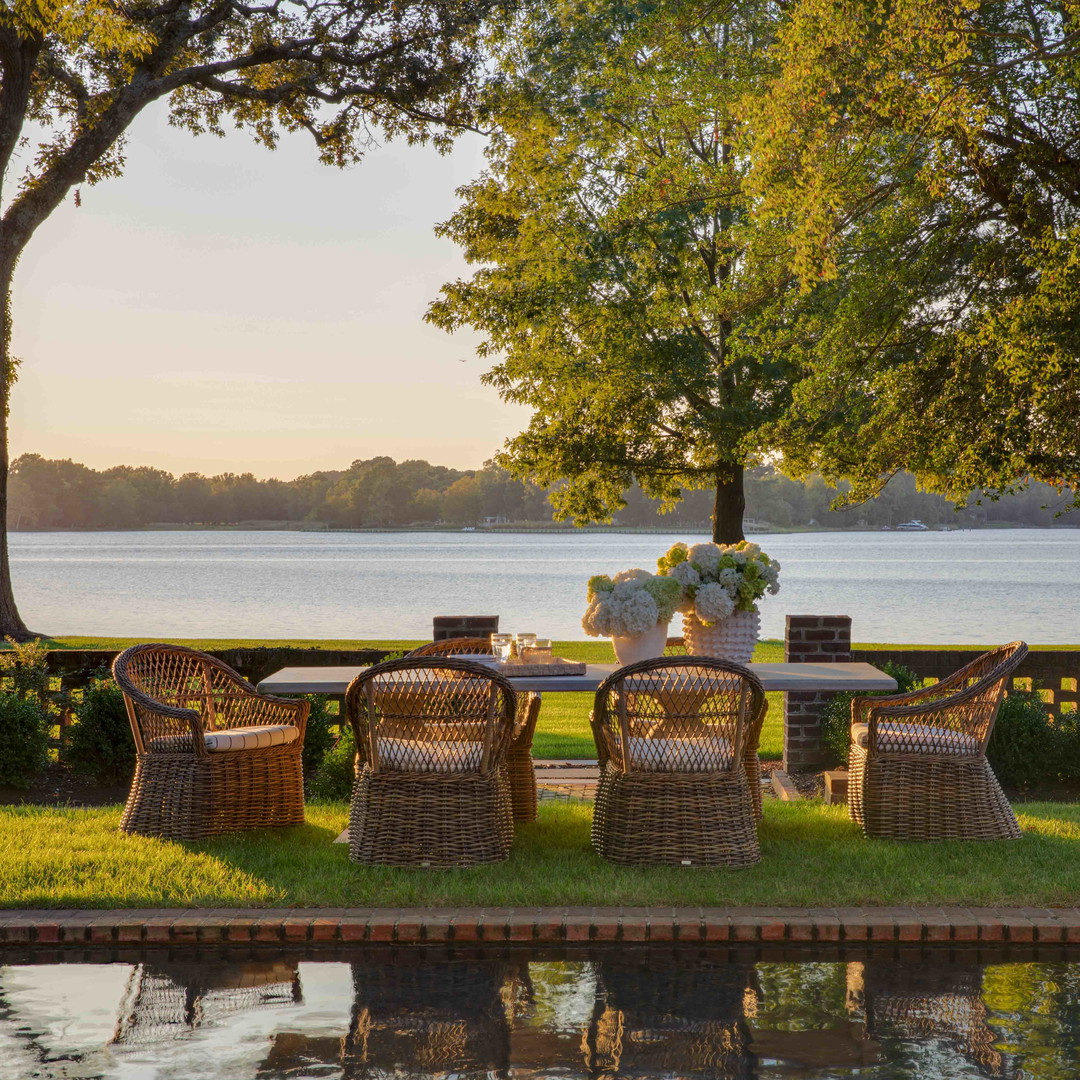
x,y
554,530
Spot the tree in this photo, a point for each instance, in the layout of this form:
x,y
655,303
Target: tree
x,y
637,307
78,72
926,159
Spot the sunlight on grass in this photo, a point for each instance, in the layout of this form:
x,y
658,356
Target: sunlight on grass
x,y
812,856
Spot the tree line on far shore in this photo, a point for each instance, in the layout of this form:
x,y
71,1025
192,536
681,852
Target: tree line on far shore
x,y
63,494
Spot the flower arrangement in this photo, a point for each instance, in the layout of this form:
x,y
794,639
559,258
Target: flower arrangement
x,y
717,580
629,604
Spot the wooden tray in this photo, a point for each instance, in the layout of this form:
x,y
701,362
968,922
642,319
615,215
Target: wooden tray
x,y
558,667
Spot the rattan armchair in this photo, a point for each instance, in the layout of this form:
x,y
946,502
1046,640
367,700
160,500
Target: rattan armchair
x,y
213,754
670,737
459,646
918,760
432,735
519,763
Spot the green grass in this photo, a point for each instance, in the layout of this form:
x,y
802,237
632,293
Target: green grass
x,y
812,855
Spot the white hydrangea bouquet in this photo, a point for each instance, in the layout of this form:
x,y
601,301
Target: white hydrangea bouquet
x,y
630,604
716,580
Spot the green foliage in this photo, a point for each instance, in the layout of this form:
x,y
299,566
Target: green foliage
x,y
1028,748
634,302
334,778
99,744
25,665
319,735
836,716
937,236
24,741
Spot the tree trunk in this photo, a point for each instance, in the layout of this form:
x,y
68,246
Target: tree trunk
x,y
729,507
11,624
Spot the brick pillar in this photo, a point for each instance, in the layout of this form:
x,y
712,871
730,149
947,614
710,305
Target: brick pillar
x,y
821,639
454,626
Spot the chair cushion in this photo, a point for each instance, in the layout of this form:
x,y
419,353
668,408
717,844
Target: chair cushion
x,y
237,738
895,737
699,753
408,755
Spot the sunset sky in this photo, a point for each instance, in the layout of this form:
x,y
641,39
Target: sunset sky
x,y
221,307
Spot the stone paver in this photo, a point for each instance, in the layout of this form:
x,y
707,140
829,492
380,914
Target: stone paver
x,y
894,926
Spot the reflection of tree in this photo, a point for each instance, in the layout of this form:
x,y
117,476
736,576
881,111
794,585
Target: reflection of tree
x,y
1036,1010
925,1002
165,1001
686,1015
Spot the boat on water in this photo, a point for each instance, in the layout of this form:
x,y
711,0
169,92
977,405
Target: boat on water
x,y
912,526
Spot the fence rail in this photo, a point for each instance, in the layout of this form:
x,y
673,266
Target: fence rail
x,y
1053,673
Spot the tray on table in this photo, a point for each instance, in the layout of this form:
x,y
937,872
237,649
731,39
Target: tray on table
x,y
515,669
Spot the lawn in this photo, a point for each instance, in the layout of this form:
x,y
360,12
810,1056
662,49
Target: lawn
x,y
813,855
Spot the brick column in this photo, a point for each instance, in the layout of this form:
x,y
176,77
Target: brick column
x,y
820,639
455,626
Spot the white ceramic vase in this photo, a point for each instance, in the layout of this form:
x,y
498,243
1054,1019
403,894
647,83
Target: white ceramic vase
x,y
732,638
629,650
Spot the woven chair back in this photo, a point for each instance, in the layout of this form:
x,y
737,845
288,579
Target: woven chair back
x,y
180,678
455,647
964,706
431,714
680,714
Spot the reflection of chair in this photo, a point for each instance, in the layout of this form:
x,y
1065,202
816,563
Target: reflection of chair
x,y
164,1001
675,646
918,760
926,1001
429,1017
214,755
473,646
670,735
677,1015
432,736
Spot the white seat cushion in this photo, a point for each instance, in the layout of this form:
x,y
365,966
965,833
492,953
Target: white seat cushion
x,y
701,753
895,737
237,738
407,755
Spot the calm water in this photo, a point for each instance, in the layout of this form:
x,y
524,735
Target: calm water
x,y
613,1015
977,587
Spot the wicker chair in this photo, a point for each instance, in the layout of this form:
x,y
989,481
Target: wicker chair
x,y
519,763
213,754
676,646
918,760
458,646
670,736
432,736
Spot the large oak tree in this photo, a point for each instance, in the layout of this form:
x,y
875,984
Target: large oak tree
x,y
925,159
630,298
76,73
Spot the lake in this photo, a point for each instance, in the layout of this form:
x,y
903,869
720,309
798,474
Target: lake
x,y
977,587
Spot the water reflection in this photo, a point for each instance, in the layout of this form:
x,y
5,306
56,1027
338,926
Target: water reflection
x,y
633,1014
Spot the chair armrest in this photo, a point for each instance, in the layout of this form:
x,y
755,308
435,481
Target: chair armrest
x,y
528,712
266,708
140,701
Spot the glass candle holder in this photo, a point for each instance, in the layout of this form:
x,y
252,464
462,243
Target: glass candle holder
x,y
539,652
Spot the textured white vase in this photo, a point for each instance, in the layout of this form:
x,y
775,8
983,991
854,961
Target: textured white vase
x,y
629,650
732,638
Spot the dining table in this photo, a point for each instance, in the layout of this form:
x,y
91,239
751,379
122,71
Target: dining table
x,y
812,678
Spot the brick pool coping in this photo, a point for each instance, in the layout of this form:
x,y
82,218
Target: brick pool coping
x,y
537,926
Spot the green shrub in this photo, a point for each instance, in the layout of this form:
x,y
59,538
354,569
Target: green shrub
x,y
334,779
99,744
1027,748
319,736
24,740
836,715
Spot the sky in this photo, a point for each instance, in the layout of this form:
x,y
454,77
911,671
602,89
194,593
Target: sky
x,y
221,307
